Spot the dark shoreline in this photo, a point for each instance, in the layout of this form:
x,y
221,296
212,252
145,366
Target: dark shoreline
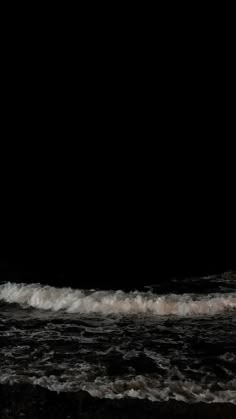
x,y
34,402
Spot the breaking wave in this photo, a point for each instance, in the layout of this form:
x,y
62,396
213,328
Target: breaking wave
x,y
114,302
140,387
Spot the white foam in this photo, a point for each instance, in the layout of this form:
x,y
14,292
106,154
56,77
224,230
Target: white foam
x,y
138,386
115,302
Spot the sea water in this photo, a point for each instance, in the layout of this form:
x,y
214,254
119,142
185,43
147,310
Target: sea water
x,y
167,341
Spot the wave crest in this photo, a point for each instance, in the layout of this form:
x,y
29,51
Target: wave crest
x,y
114,302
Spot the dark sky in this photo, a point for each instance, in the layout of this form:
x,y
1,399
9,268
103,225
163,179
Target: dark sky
x,y
130,244
122,173
116,220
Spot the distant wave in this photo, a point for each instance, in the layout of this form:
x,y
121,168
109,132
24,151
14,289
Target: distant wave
x,y
114,302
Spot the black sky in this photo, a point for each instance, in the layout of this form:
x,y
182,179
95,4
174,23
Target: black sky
x,y
120,171
117,230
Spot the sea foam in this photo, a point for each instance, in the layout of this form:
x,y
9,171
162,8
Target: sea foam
x,y
115,302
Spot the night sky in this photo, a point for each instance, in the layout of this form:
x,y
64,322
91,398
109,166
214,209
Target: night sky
x,y
128,249
119,176
116,222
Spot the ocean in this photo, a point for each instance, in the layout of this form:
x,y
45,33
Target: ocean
x,y
171,340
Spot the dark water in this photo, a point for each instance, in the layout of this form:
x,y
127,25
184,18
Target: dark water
x,y
171,340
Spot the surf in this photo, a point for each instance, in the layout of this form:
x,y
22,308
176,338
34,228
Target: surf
x,y
45,297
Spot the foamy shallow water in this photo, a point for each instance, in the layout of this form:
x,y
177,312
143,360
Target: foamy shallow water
x,y
117,344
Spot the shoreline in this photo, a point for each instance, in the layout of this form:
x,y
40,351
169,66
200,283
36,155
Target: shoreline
x,y
30,401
